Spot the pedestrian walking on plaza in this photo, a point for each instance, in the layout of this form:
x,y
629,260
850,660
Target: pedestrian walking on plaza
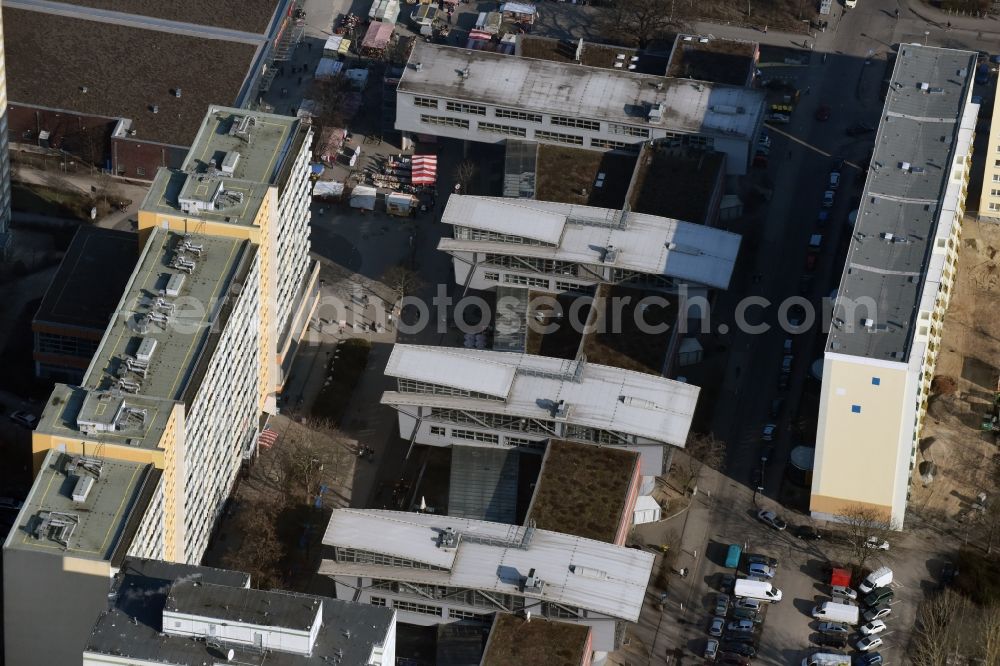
x,y
765,29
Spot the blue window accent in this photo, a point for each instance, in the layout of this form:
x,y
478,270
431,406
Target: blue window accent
x,y
855,409
876,381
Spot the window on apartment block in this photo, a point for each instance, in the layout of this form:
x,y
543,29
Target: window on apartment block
x,y
563,121
855,409
377,601
571,139
438,430
507,130
445,120
139,171
876,381
994,206
474,436
518,115
462,107
425,102
492,277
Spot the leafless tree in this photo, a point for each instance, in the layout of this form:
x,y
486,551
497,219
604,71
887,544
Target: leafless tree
x,y
864,527
329,95
464,174
637,22
308,453
988,630
940,622
260,552
702,449
402,280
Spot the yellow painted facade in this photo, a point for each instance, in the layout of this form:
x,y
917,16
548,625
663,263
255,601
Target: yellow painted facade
x,y
989,202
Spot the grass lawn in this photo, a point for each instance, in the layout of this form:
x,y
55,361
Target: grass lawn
x,y
44,200
349,361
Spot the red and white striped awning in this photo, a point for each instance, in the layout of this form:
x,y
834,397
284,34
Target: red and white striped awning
x,y
424,171
267,438
480,35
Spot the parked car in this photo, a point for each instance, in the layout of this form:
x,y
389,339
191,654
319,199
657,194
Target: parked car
x,y
834,628
732,659
860,129
831,640
27,419
772,519
782,382
711,649
742,649
869,643
823,113
727,581
877,613
786,363
872,628
875,543
10,504
842,591
721,605
822,217
746,614
828,199
807,533
742,626
834,180
749,604
870,659
766,560
768,433
879,595
715,626
776,406
762,570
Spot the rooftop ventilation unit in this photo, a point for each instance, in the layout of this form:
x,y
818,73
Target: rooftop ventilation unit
x,y
242,127
174,285
129,386
146,348
197,248
588,572
418,66
533,583
163,305
93,466
448,539
868,323
229,162
177,92
656,112
703,40
610,254
561,410
633,401
56,526
925,86
82,488
886,236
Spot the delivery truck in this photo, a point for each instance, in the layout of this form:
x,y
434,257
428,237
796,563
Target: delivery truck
x,y
836,612
878,578
756,589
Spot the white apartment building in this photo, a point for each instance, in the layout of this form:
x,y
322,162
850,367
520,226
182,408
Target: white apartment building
x,y
188,367
247,175
162,613
989,199
886,331
556,247
438,569
490,97
446,396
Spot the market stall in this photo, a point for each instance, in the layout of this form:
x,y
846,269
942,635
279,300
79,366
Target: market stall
x,y
335,46
519,12
328,68
384,10
426,15
401,204
376,40
328,190
363,196
328,144
424,170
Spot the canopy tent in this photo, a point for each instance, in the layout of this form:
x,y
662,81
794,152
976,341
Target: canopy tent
x,y
317,169
329,143
336,45
424,169
328,68
328,189
384,10
363,196
377,38
840,577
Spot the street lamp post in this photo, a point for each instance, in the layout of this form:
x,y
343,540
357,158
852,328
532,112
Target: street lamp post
x,y
926,34
760,483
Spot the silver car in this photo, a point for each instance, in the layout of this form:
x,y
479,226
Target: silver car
x,y
757,569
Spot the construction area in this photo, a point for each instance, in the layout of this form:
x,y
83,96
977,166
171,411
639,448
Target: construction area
x,y
957,454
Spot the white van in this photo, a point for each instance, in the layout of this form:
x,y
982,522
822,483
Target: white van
x,y
834,612
827,659
756,589
878,578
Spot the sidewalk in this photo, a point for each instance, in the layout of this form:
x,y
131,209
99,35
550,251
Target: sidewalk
x,y
989,24
83,183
